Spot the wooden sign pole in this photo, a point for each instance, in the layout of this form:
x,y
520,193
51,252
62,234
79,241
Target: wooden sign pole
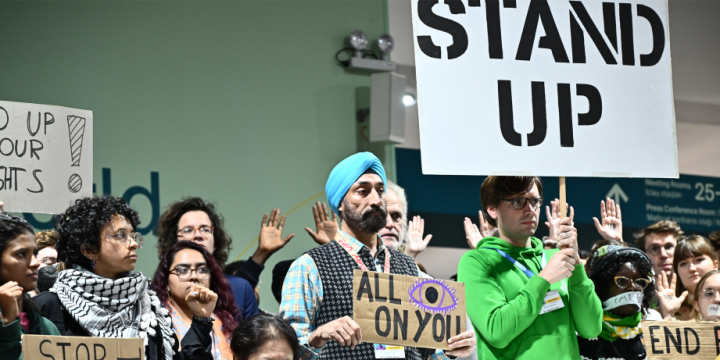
x,y
563,198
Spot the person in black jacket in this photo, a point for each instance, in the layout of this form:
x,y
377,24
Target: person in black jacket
x,y
99,296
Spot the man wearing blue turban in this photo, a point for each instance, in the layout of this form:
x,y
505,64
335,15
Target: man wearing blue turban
x,y
317,292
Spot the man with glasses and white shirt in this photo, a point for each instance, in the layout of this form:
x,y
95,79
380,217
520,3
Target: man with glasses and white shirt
x,y
528,302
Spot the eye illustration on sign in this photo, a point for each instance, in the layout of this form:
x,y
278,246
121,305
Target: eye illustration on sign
x,y
433,296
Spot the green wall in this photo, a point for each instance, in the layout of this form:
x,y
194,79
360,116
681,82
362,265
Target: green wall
x,y
240,102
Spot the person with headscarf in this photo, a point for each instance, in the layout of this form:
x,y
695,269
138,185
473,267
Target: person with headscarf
x,y
623,279
317,292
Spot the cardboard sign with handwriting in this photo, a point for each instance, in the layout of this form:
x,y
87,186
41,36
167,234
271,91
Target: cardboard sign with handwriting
x,y
410,311
81,348
681,340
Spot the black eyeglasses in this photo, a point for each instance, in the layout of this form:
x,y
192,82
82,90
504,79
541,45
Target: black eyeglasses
x,y
183,272
519,202
623,282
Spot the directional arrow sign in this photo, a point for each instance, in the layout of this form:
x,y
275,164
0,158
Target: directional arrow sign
x,y
617,193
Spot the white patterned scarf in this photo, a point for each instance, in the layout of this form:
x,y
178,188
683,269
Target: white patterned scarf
x,y
120,308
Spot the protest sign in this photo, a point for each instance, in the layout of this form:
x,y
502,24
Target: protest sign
x,y
409,311
46,157
681,339
546,88
81,348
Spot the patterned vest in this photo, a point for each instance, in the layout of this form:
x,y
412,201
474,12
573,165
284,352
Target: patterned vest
x,y
336,274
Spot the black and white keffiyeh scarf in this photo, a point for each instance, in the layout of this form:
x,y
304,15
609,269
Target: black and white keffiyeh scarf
x,y
120,308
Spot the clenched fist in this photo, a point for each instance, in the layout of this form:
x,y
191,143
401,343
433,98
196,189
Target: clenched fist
x,y
201,300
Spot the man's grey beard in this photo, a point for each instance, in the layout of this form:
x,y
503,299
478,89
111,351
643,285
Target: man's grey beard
x,y
365,222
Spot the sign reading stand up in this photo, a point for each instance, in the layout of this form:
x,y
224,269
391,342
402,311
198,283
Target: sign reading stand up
x,y
546,88
46,157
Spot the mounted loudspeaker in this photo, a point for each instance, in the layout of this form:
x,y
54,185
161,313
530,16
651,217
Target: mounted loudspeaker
x,y
387,111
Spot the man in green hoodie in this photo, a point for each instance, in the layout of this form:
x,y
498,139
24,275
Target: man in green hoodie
x,y
530,302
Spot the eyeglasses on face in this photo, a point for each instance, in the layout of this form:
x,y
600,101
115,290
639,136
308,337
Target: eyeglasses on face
x,y
183,272
189,231
655,249
623,282
47,260
518,203
124,237
709,293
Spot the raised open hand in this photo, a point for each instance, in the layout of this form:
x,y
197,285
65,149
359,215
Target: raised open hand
x,y
669,302
201,300
472,233
553,219
326,227
611,227
270,237
415,242
486,230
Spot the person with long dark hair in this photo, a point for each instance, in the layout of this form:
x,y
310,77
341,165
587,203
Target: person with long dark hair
x,y
265,336
623,279
98,295
18,276
187,263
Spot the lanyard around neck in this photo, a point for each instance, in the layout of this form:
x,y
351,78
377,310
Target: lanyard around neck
x,y
345,244
521,266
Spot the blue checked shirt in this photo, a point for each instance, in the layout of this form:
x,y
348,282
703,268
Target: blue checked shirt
x,y
302,294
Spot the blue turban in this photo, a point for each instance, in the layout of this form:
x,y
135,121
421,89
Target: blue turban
x,y
344,175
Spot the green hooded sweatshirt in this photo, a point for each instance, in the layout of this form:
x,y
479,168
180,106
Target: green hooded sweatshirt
x,y
504,304
11,334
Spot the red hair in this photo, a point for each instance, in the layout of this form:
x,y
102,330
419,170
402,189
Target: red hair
x,y
225,307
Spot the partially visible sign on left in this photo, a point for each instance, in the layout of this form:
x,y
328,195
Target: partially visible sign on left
x,y
46,156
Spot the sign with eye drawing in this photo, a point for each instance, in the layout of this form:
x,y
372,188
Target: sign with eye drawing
x,y
409,311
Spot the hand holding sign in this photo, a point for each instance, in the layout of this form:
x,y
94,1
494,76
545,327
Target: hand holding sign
x,y
560,266
10,293
462,345
201,300
567,235
343,330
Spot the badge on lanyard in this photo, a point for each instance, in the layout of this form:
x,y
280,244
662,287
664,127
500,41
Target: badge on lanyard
x,y
389,351
552,301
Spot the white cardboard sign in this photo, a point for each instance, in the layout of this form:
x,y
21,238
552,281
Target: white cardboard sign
x,y
46,156
545,87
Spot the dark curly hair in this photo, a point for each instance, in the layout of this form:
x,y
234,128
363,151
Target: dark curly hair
x,y
604,278
80,226
11,227
257,330
168,227
225,309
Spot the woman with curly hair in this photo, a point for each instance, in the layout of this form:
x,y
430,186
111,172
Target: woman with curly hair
x,y
183,265
623,282
99,296
18,276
